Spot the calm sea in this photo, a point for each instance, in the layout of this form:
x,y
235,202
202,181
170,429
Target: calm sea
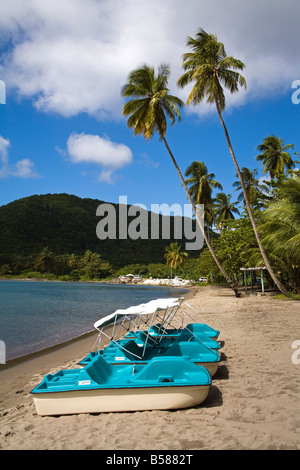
x,y
36,315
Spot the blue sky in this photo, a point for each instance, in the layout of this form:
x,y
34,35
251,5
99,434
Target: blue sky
x,y
64,62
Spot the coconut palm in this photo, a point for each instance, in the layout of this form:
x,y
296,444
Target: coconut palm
x,y
274,156
209,67
147,113
224,209
282,219
280,229
91,263
72,261
45,261
254,189
201,184
175,257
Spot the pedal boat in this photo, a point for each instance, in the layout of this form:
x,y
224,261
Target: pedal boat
x,y
164,383
193,328
141,346
130,353
142,337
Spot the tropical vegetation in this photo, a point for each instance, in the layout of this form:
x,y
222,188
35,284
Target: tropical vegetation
x,y
56,234
175,257
148,109
274,156
200,185
257,226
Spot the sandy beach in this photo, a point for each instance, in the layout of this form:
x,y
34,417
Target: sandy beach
x,y
253,401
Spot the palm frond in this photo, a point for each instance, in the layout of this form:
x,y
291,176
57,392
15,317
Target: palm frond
x,y
208,66
152,101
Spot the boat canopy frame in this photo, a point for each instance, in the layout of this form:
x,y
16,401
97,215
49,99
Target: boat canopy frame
x,y
132,318
142,318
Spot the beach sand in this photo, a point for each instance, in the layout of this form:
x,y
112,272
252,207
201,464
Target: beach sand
x,y
253,403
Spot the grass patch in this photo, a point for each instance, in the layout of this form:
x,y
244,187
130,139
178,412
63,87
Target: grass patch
x,y
292,296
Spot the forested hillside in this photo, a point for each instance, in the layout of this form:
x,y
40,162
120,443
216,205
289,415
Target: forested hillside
x,y
66,224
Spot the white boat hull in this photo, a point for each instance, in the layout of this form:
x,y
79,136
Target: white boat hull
x,y
117,400
212,367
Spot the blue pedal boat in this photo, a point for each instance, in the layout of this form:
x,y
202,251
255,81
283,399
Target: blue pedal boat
x,y
140,346
163,383
193,328
142,337
129,352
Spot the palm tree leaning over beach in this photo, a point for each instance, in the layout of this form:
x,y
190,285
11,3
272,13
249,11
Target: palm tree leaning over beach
x,y
147,113
201,184
210,68
274,156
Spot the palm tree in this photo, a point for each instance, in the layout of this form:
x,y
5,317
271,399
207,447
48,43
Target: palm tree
x,y
274,156
175,257
211,69
148,110
281,226
72,261
91,263
280,229
202,184
253,187
45,261
224,209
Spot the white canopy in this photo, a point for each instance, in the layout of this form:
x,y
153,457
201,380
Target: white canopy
x,y
148,308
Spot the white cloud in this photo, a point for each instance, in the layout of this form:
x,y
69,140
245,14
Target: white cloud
x,y
93,149
145,160
4,144
22,169
72,56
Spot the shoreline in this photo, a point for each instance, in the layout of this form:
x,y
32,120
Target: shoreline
x,y
48,350
253,403
146,282
28,356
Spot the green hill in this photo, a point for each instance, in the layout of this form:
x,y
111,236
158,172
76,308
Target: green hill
x,y
66,224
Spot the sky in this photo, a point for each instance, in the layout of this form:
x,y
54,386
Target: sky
x,y
63,64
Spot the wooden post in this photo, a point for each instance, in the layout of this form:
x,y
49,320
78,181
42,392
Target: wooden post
x,y
262,280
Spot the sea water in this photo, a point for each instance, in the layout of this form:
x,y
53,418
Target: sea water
x,y
35,315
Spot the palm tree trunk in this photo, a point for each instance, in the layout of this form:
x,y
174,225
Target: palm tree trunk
x,y
262,250
226,276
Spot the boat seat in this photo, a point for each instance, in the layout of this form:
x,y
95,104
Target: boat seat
x,y
132,348
145,338
159,330
202,328
129,350
192,350
171,368
198,338
99,370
